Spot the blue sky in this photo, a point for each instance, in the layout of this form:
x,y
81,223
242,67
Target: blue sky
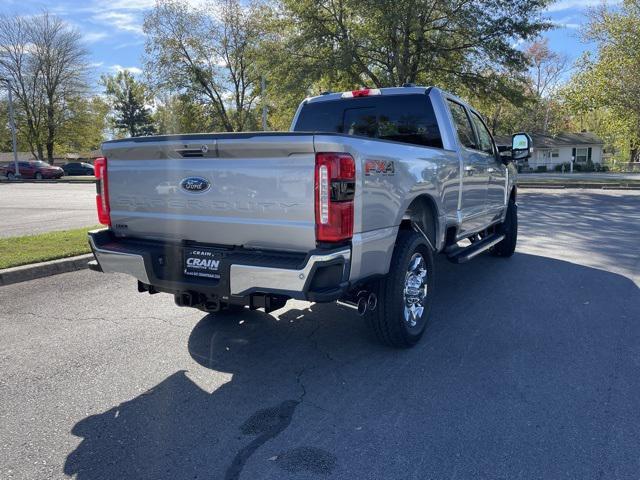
x,y
112,29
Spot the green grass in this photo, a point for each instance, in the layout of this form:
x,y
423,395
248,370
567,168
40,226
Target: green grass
x,y
16,251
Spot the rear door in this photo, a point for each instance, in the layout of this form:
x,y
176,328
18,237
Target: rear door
x,y
27,169
496,170
475,176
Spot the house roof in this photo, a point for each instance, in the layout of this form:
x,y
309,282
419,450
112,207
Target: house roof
x,y
6,157
554,141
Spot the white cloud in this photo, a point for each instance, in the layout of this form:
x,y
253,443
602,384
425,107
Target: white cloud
x,y
119,68
139,5
128,22
122,15
93,37
569,21
580,4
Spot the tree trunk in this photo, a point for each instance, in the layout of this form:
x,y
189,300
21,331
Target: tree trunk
x,y
51,132
40,150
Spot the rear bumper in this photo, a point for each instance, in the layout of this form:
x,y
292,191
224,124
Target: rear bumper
x,y
320,275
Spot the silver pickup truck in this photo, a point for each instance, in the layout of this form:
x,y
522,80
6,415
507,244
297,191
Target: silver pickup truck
x,y
350,205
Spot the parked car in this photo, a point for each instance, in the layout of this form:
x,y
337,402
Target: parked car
x,y
351,205
33,169
78,168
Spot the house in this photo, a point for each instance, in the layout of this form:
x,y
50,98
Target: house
x,y
552,151
7,157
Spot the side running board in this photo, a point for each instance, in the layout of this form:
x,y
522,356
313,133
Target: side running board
x,y
464,254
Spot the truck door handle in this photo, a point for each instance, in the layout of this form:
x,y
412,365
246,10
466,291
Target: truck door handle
x,y
491,170
469,170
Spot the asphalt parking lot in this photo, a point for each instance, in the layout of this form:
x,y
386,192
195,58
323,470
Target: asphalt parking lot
x,y
530,369
29,208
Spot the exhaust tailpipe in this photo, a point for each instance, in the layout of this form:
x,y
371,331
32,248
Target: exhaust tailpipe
x,y
363,302
362,305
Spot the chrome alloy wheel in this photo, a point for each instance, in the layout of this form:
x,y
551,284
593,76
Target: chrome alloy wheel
x,y
415,290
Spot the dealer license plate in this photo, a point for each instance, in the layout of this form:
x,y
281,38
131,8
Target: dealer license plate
x,y
201,262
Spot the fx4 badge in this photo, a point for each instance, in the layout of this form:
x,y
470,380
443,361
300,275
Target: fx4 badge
x,y
379,167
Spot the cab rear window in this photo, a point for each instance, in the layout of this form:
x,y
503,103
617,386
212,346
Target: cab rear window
x,y
400,118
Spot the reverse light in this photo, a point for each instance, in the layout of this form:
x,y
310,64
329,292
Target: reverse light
x,y
364,92
335,191
102,191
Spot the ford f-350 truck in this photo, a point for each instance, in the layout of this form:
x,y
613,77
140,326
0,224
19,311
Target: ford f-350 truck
x,y
351,205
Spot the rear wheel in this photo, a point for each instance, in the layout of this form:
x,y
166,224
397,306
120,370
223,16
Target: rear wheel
x,y
11,176
38,176
405,294
509,228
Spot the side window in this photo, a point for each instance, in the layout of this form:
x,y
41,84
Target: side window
x,y
484,137
410,119
407,119
463,126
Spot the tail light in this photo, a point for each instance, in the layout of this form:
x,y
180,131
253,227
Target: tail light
x,y
335,190
102,191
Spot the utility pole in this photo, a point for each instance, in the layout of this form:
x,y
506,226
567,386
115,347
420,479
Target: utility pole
x,y
12,124
264,104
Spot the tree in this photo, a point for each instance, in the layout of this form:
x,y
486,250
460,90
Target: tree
x,y
45,61
545,75
211,58
608,84
391,42
62,62
128,99
181,114
84,125
332,45
18,64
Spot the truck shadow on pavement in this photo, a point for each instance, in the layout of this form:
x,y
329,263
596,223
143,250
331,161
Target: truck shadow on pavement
x,y
529,368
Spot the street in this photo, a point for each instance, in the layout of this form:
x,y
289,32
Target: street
x,y
30,208
529,369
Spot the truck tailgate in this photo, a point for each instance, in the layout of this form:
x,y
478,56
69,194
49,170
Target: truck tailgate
x,y
251,190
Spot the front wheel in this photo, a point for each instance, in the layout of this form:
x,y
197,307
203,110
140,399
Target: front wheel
x,y
11,176
405,294
509,228
38,176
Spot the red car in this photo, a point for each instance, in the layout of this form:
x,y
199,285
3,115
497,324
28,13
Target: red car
x,y
33,169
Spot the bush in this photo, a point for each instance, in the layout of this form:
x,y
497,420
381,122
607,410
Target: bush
x,y
541,169
566,165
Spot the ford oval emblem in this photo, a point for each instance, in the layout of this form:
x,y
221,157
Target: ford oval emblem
x,y
195,184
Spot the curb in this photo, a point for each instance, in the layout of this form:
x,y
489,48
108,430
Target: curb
x,y
59,180
24,273
598,186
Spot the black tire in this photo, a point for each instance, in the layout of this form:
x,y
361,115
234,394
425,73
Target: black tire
x,y
388,319
11,176
38,176
509,228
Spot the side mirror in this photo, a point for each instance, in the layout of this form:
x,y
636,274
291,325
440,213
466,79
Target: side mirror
x,y
521,144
